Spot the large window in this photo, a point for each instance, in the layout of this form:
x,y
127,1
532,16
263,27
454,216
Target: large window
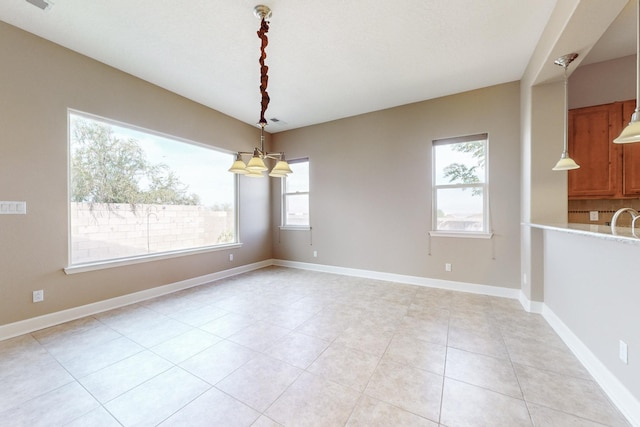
x,y
133,192
295,195
460,185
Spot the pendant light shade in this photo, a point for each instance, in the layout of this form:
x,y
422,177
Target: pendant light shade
x,y
281,168
632,132
565,163
254,174
238,166
256,164
276,174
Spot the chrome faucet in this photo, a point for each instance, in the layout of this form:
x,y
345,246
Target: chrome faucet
x,y
634,217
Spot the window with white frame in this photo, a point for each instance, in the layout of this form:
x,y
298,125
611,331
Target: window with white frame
x,y
134,192
461,186
295,195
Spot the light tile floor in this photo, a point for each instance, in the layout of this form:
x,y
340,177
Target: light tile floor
x,y
286,347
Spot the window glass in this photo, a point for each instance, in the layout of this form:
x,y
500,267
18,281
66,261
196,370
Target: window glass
x,y
460,190
295,199
135,192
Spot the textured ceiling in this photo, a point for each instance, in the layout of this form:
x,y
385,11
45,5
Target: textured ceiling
x,y
620,38
327,60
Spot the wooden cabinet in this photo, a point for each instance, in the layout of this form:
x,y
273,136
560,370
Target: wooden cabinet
x,y
591,132
607,170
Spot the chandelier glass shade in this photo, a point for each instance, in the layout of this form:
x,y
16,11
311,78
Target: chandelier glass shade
x,y
565,163
256,165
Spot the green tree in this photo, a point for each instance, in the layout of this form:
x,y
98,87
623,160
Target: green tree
x,y
109,169
165,188
458,172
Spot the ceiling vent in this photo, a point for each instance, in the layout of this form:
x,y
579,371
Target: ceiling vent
x,y
42,4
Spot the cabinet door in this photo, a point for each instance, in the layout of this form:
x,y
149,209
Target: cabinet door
x,y
591,146
631,157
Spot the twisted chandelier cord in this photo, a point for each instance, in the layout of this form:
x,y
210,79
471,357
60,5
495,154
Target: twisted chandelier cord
x,y
264,78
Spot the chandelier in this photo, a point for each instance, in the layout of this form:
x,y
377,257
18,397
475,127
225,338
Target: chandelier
x,y
256,165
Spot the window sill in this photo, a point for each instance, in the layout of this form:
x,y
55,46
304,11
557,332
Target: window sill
x,y
101,265
461,234
295,228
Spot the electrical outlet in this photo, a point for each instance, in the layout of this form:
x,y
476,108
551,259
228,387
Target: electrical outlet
x,y
38,296
230,257
447,267
593,215
624,355
315,254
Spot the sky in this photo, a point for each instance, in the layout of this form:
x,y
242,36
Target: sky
x,y
454,201
203,169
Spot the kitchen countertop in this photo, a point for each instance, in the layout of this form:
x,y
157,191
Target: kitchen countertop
x,y
623,234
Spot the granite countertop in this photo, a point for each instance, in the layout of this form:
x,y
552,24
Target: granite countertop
x,y
623,234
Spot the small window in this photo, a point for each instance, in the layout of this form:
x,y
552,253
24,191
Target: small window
x,y
295,195
133,193
460,186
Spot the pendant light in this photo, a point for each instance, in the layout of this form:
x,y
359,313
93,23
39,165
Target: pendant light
x,y
565,163
256,166
632,132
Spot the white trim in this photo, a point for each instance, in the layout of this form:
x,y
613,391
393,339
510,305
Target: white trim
x,y
36,323
142,129
482,137
467,234
530,306
495,291
617,392
284,194
100,265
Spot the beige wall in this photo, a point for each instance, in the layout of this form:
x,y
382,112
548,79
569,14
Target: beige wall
x,y
38,82
596,297
355,224
603,82
371,190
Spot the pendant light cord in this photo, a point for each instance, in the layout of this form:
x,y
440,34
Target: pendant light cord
x,y
566,112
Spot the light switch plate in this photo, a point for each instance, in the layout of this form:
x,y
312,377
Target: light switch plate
x,y
13,208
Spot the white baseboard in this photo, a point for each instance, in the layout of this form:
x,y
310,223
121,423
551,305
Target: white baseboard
x,y
36,323
530,306
495,291
617,392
